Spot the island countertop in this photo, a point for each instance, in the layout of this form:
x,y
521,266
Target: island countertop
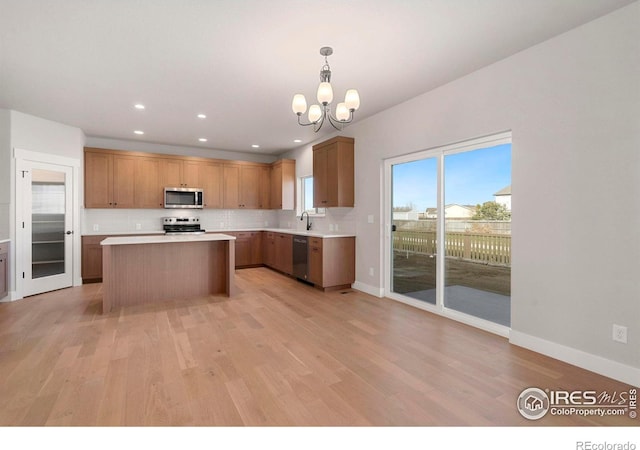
x,y
166,239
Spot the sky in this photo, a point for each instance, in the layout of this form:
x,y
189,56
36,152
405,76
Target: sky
x,y
470,178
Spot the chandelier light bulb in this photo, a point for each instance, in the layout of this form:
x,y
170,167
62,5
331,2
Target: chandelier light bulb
x,y
352,99
314,113
299,104
325,93
320,113
342,112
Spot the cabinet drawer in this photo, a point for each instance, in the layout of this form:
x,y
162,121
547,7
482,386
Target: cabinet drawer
x,y
315,242
4,248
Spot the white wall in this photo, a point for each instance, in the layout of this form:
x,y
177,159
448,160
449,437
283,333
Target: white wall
x,y
5,171
39,135
573,105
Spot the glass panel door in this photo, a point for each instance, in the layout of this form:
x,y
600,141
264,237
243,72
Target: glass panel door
x,y
414,202
47,223
47,219
477,244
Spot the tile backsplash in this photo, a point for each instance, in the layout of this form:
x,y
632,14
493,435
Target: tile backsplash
x,y
99,221
105,221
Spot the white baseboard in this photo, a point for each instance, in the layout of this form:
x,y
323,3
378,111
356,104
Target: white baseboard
x,y
367,289
612,369
13,296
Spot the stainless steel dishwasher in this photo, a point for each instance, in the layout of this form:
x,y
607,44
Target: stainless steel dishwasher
x,y
300,264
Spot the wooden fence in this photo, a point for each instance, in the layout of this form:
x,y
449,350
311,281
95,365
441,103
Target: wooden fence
x,y
477,247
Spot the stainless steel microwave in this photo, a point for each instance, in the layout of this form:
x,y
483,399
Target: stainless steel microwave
x,y
183,198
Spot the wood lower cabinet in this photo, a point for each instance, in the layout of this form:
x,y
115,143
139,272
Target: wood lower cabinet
x,y
269,248
92,258
283,253
332,262
4,270
249,251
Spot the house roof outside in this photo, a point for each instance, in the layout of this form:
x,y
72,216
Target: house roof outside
x,y
503,191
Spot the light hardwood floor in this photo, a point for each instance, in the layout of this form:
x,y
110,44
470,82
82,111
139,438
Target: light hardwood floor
x,y
278,353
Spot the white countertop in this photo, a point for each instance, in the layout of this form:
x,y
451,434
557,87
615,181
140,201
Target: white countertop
x,y
163,239
3,241
311,233
308,233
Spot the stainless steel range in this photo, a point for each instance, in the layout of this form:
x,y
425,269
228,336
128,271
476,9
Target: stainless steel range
x,y
181,225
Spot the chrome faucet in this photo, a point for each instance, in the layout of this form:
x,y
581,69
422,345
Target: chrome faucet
x,y
302,217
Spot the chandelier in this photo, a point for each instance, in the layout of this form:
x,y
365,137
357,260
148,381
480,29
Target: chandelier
x,y
319,113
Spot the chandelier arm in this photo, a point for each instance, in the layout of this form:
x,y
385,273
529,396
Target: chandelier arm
x,y
318,124
342,123
333,121
304,124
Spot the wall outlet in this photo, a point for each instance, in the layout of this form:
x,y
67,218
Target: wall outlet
x,y
370,218
330,227
620,333
370,271
96,227
221,224
336,227
138,226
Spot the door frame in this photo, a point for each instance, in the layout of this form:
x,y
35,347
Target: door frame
x,y
439,153
21,156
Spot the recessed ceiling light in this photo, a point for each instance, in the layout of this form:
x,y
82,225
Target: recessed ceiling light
x,y
139,132
203,139
202,116
255,146
139,106
297,141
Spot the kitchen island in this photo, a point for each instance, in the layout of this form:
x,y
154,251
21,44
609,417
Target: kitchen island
x,y
149,269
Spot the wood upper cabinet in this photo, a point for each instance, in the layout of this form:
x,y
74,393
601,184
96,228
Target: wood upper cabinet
x,y
119,179
195,174
210,179
147,187
283,184
98,180
265,188
242,186
109,180
333,173
332,262
179,173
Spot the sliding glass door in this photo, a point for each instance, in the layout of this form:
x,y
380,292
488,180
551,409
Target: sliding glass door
x,y
413,228
477,240
449,231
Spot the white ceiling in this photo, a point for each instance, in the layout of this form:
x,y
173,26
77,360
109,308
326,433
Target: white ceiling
x,y
85,63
